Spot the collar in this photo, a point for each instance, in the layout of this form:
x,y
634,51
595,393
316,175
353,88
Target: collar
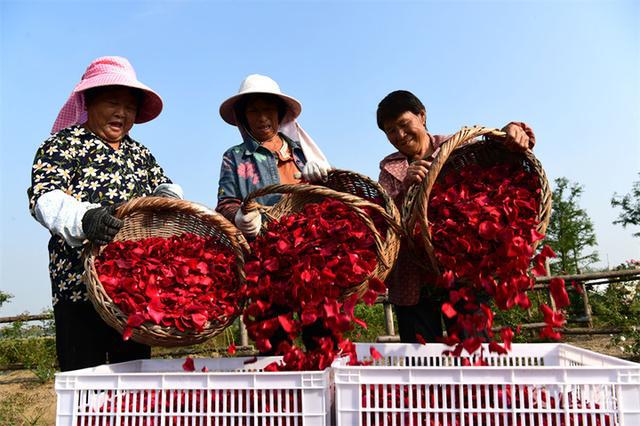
x,y
126,140
251,145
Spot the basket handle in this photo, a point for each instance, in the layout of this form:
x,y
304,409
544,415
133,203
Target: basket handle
x,y
418,194
183,206
354,202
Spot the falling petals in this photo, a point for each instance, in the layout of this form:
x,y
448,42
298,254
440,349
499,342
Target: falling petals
x,y
298,272
483,226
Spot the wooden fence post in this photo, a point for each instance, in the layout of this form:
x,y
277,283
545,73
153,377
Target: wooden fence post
x,y
548,268
244,336
388,319
587,305
585,302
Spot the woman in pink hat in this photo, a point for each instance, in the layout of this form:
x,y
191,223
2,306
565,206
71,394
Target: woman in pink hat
x,y
275,149
87,166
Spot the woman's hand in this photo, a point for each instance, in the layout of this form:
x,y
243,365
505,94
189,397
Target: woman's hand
x,y
315,172
416,172
516,138
249,223
100,226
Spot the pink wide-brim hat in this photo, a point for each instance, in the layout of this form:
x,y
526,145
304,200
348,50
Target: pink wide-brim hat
x,y
256,83
107,71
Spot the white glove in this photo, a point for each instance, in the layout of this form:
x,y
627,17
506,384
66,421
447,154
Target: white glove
x,y
249,223
315,172
169,190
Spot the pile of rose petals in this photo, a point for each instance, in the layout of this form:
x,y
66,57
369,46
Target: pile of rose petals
x,y
183,282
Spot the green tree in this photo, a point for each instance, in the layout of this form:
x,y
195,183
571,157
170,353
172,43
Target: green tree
x,y
630,205
4,297
570,232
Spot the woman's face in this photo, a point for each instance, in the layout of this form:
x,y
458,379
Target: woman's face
x,y
408,133
111,113
262,118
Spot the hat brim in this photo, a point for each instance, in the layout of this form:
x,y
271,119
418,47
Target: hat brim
x,y
151,105
227,108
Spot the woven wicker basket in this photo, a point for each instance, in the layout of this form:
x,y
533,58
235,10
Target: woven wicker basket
x,y
357,192
457,152
164,217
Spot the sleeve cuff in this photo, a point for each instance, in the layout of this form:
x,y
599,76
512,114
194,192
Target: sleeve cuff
x,y
62,215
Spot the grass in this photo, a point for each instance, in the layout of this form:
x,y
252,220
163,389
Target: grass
x,y
22,409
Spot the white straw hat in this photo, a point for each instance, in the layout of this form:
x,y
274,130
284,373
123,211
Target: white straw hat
x,y
256,83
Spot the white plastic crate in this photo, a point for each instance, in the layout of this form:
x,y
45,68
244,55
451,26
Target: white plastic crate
x,y
534,385
160,393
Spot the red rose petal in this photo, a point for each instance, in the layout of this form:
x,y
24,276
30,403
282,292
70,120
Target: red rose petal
x,y
188,365
559,292
547,332
374,353
448,310
156,314
507,336
472,344
497,348
287,323
199,320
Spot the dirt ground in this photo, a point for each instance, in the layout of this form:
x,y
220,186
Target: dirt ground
x,y
24,400
596,343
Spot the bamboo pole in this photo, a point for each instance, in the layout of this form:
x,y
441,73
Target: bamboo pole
x,y
593,275
547,267
26,318
587,305
388,319
543,286
244,336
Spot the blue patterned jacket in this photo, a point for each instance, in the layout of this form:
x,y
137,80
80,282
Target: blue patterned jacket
x,y
247,167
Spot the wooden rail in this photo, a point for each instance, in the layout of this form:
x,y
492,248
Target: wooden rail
x,y
26,318
589,276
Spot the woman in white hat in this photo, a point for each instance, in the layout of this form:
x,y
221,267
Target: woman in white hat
x,y
87,166
275,149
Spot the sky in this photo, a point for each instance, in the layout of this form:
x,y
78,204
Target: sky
x,y
570,69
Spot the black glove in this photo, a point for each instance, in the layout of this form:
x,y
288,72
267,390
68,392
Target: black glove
x,y
100,226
